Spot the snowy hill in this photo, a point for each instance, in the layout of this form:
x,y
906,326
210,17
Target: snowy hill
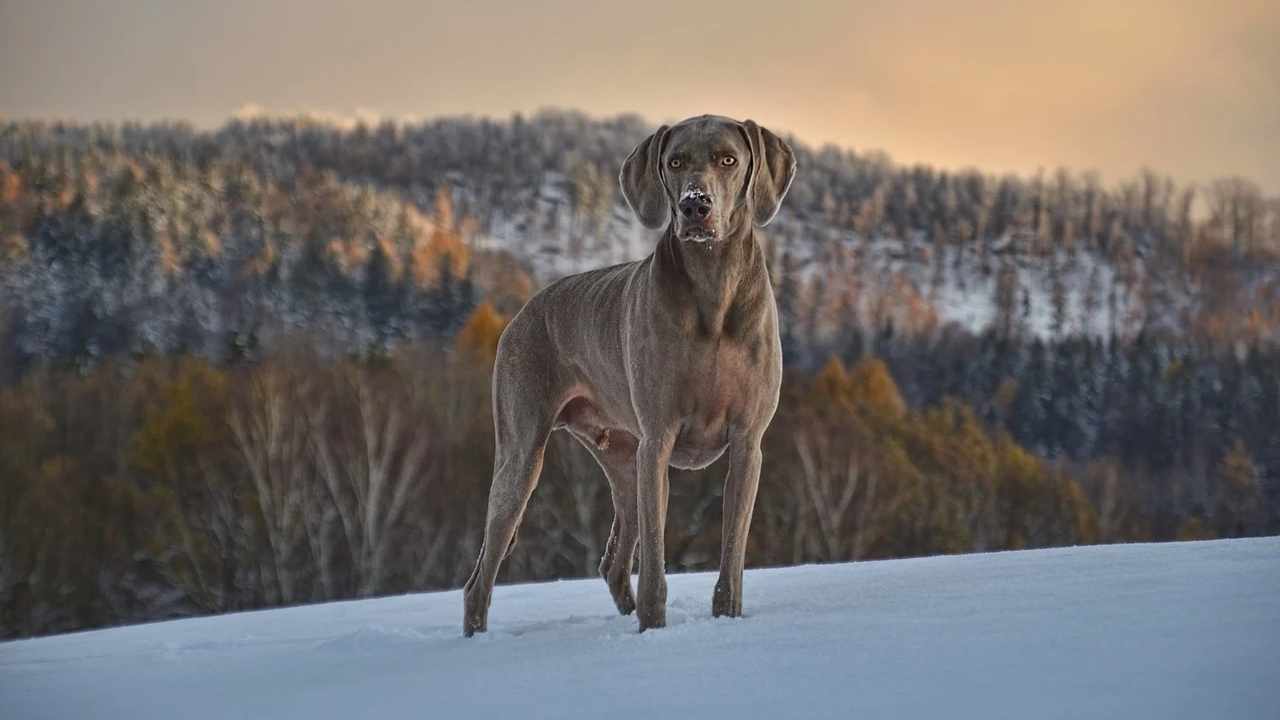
x,y
1136,631
948,284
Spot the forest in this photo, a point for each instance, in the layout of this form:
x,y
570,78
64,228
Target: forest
x,y
249,367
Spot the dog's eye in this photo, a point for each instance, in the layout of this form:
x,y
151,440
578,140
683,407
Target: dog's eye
x,y
674,163
728,160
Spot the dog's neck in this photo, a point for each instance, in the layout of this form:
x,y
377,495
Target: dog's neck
x,y
725,280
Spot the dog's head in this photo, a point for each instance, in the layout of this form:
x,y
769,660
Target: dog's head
x,y
708,175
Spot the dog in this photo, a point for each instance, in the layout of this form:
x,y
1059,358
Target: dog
x,y
673,360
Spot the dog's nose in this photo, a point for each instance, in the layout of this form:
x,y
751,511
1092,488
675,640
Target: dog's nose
x,y
695,205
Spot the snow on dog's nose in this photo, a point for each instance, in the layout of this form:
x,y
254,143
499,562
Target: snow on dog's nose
x,y
695,204
695,209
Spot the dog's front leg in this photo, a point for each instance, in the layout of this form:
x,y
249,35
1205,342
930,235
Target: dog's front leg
x,y
739,501
652,460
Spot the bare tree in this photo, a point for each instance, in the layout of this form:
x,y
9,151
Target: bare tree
x,y
1236,214
842,492
273,440
372,453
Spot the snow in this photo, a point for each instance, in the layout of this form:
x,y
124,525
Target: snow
x,y
961,290
964,292
1135,631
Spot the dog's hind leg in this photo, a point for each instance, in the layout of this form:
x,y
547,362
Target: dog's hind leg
x,y
615,452
523,409
515,475
619,464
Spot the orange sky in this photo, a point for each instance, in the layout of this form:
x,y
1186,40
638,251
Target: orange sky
x,y
1189,88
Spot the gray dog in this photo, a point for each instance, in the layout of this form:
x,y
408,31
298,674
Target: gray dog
x,y
672,360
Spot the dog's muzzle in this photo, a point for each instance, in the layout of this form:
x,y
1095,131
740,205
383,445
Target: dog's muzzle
x,y
695,209
698,234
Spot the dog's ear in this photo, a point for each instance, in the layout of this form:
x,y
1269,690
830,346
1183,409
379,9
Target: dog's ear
x,y
773,167
641,181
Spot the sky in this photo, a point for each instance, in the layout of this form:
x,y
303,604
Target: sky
x,y
1190,88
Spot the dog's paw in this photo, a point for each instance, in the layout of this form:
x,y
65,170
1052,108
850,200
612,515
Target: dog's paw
x,y
475,615
472,625
656,618
624,600
725,602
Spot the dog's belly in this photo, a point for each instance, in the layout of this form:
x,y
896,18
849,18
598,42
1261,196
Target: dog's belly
x,y
699,443
691,456
696,447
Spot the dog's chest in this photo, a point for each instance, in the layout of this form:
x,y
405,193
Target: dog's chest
x,y
726,387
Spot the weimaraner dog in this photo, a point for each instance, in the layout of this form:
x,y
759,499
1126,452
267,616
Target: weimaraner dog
x,y
672,360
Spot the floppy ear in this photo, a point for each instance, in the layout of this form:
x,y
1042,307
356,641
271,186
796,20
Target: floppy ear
x,y
773,167
641,181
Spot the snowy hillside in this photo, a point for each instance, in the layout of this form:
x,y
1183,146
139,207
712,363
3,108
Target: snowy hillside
x,y
952,287
1133,631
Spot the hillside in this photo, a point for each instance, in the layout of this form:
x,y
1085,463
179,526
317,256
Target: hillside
x,y
1136,631
161,238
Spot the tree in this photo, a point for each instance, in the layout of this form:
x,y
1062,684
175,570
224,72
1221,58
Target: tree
x,y
373,450
1239,496
1007,318
205,541
272,438
870,385
383,296
478,338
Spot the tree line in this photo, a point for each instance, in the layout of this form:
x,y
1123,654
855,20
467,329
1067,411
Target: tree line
x,y
169,486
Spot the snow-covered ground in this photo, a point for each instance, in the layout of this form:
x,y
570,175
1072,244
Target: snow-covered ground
x,y
1138,631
